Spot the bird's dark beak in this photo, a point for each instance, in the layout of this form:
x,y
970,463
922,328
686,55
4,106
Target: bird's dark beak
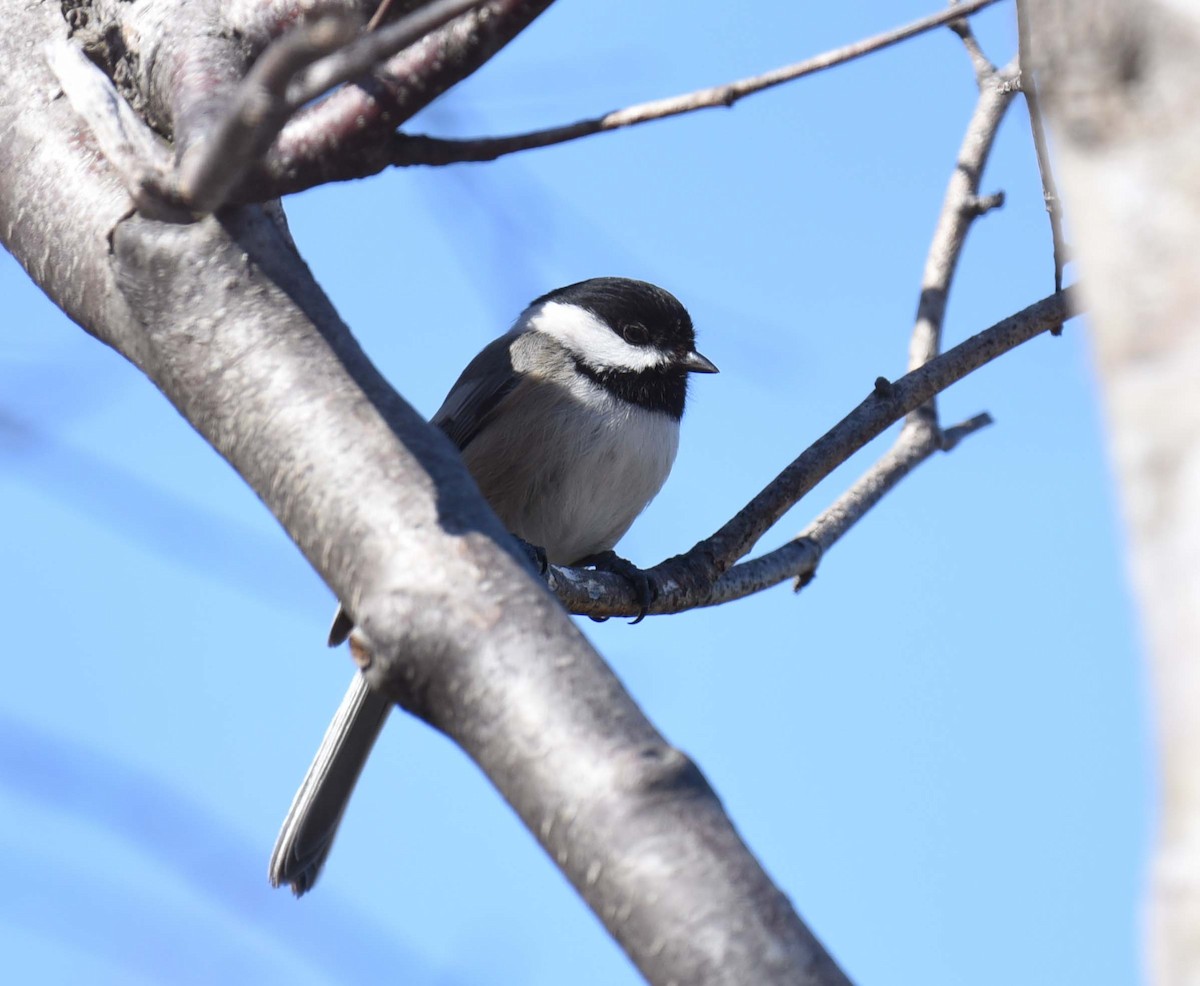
x,y
693,362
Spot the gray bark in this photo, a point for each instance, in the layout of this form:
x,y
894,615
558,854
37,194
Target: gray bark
x,y
1121,84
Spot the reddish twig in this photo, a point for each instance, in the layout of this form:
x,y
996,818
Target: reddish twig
x,y
348,134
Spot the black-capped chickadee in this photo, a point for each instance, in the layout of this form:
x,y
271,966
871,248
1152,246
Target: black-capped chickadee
x,y
569,423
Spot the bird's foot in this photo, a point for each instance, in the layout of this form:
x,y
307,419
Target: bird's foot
x,y
644,589
536,555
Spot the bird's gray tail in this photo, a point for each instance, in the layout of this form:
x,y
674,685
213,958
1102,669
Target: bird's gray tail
x,y
307,833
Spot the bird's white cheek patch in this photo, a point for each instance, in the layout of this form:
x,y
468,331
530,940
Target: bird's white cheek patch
x,y
591,340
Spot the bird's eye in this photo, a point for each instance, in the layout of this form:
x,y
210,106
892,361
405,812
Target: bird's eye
x,y
636,334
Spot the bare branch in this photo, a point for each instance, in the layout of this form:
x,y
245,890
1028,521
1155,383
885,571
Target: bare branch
x,y
420,149
704,575
979,61
1041,147
916,443
224,126
224,130
961,206
324,146
922,435
798,559
180,83
698,578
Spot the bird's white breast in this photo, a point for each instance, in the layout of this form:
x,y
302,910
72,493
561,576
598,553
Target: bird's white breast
x,y
575,480
614,479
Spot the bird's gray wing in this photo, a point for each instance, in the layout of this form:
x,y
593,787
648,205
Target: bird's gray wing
x,y
486,381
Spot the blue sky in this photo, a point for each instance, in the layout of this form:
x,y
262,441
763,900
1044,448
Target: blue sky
x,y
940,749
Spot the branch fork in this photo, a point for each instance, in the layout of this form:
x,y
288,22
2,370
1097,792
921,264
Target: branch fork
x,y
223,134
709,574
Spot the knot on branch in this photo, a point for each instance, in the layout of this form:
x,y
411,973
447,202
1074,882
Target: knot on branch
x,y
407,642
981,205
950,437
813,547
666,772
689,575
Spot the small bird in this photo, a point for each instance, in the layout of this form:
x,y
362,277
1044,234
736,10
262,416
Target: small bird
x,y
569,424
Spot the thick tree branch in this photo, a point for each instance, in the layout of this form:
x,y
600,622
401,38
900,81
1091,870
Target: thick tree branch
x,y
223,127
193,69
181,80
1120,86
226,320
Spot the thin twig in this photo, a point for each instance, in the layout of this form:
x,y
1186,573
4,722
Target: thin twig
x,y
956,433
373,48
922,435
979,61
961,206
420,149
1040,145
915,444
379,15
688,581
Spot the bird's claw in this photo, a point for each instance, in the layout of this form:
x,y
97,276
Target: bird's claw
x,y
644,589
536,555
